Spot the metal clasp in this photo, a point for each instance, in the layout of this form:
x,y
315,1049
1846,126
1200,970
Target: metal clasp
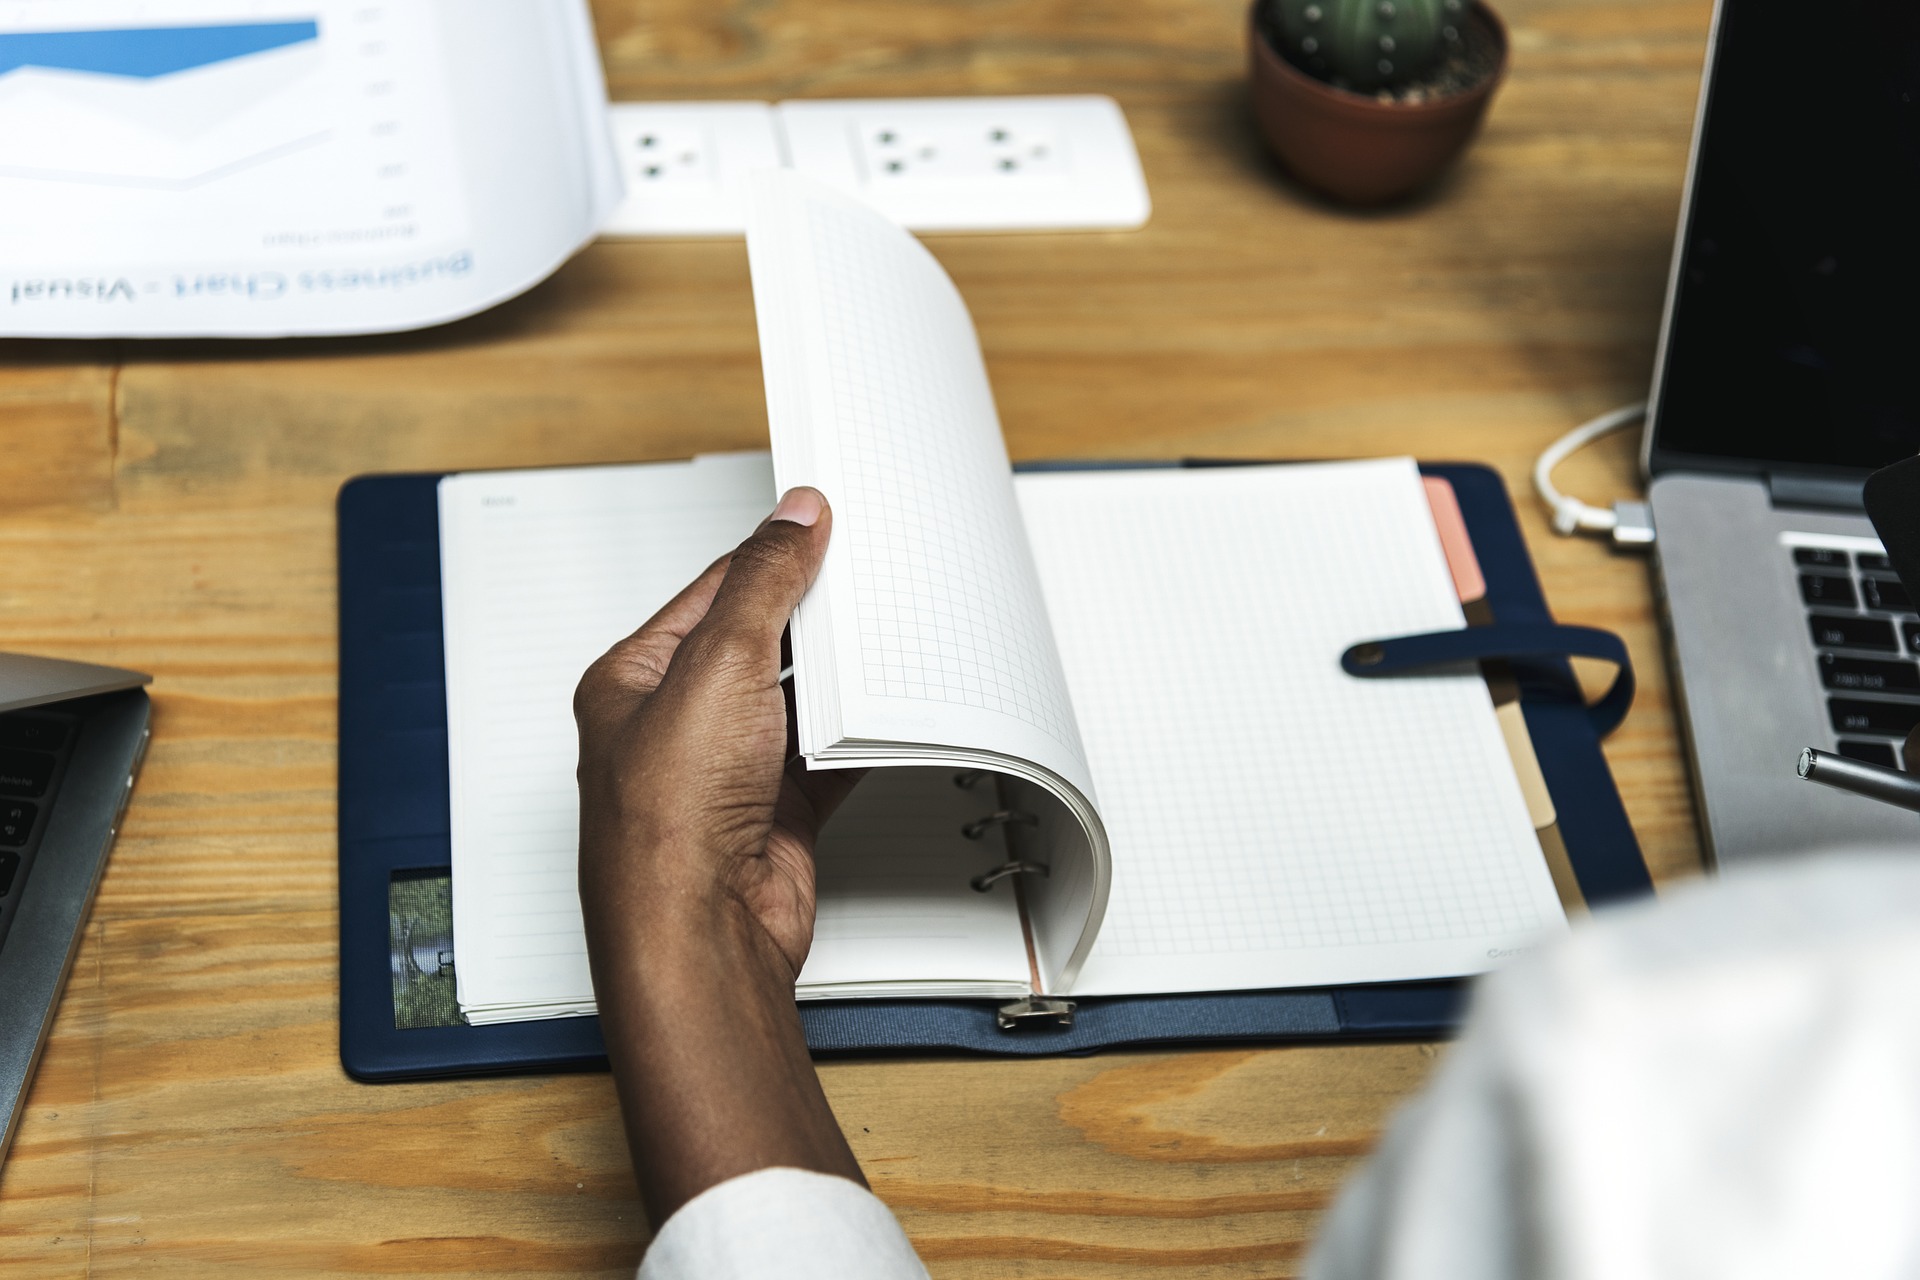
x,y
1035,1011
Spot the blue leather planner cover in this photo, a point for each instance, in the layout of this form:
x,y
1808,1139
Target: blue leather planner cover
x,y
394,822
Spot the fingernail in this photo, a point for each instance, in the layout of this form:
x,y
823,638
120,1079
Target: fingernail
x,y
801,506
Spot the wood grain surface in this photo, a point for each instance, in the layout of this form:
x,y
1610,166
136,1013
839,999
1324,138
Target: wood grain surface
x,y
169,506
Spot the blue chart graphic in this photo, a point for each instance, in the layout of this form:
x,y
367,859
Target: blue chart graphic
x,y
145,53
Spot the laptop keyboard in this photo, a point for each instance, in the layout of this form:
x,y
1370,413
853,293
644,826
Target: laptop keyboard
x,y
33,753
1867,640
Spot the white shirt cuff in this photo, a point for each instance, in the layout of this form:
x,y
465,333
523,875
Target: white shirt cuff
x,y
782,1222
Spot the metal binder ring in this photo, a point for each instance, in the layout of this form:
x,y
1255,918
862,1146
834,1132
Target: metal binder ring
x,y
1005,817
987,879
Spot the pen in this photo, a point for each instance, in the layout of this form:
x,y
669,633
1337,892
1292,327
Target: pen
x,y
1877,781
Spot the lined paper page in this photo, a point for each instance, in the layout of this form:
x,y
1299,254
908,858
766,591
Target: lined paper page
x,y
1274,821
897,916
542,571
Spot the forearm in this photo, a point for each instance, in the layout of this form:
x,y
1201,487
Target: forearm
x,y
712,1067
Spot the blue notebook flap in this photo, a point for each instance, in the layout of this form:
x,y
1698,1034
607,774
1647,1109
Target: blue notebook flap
x,y
1413,1010
393,818
393,808
1406,1010
862,1026
1604,852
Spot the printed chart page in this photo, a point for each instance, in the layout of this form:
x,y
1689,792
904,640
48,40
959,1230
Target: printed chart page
x,y
541,572
1276,822
270,167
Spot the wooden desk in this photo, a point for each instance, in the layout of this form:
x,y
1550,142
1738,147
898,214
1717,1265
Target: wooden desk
x,y
170,507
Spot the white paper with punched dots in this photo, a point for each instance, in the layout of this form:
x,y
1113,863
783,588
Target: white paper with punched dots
x,y
686,165
931,164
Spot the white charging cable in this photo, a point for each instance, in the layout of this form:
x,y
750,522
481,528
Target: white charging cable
x,y
1629,523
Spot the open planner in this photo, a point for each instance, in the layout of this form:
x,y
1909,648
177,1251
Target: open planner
x,y
1113,750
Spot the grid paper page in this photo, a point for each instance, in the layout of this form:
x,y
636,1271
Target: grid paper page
x,y
542,571
1274,821
878,395
947,604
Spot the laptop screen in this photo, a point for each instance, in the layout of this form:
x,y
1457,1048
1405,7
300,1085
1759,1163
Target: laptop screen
x,y
1795,334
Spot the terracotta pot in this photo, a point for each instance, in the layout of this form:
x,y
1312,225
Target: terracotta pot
x,y
1352,146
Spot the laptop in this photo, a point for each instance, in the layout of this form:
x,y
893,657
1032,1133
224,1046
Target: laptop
x,y
1788,370
71,738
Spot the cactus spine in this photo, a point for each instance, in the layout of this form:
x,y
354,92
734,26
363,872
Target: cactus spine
x,y
1368,44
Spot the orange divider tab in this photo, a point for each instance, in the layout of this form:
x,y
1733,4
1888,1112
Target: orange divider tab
x,y
1465,566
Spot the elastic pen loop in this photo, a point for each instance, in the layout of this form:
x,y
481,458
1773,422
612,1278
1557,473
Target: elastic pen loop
x,y
1411,655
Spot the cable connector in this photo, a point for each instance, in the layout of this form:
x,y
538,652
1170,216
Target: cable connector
x,y
1630,524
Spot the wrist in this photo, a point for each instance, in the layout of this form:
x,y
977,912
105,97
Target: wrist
x,y
657,879
677,928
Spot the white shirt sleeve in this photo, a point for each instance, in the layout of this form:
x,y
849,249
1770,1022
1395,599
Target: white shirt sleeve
x,y
789,1223
1725,1085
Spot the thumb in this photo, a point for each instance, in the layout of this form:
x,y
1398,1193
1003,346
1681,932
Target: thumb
x,y
765,579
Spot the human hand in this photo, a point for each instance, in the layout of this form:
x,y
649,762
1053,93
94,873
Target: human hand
x,y
692,805
696,874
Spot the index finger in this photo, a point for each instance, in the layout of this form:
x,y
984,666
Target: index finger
x,y
763,584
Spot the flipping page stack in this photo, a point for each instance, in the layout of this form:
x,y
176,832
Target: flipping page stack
x,y
1112,748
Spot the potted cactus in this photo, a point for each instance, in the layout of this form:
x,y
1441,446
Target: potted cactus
x,y
1368,100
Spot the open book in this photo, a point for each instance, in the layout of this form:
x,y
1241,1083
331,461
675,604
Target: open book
x,y
273,167
1113,750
